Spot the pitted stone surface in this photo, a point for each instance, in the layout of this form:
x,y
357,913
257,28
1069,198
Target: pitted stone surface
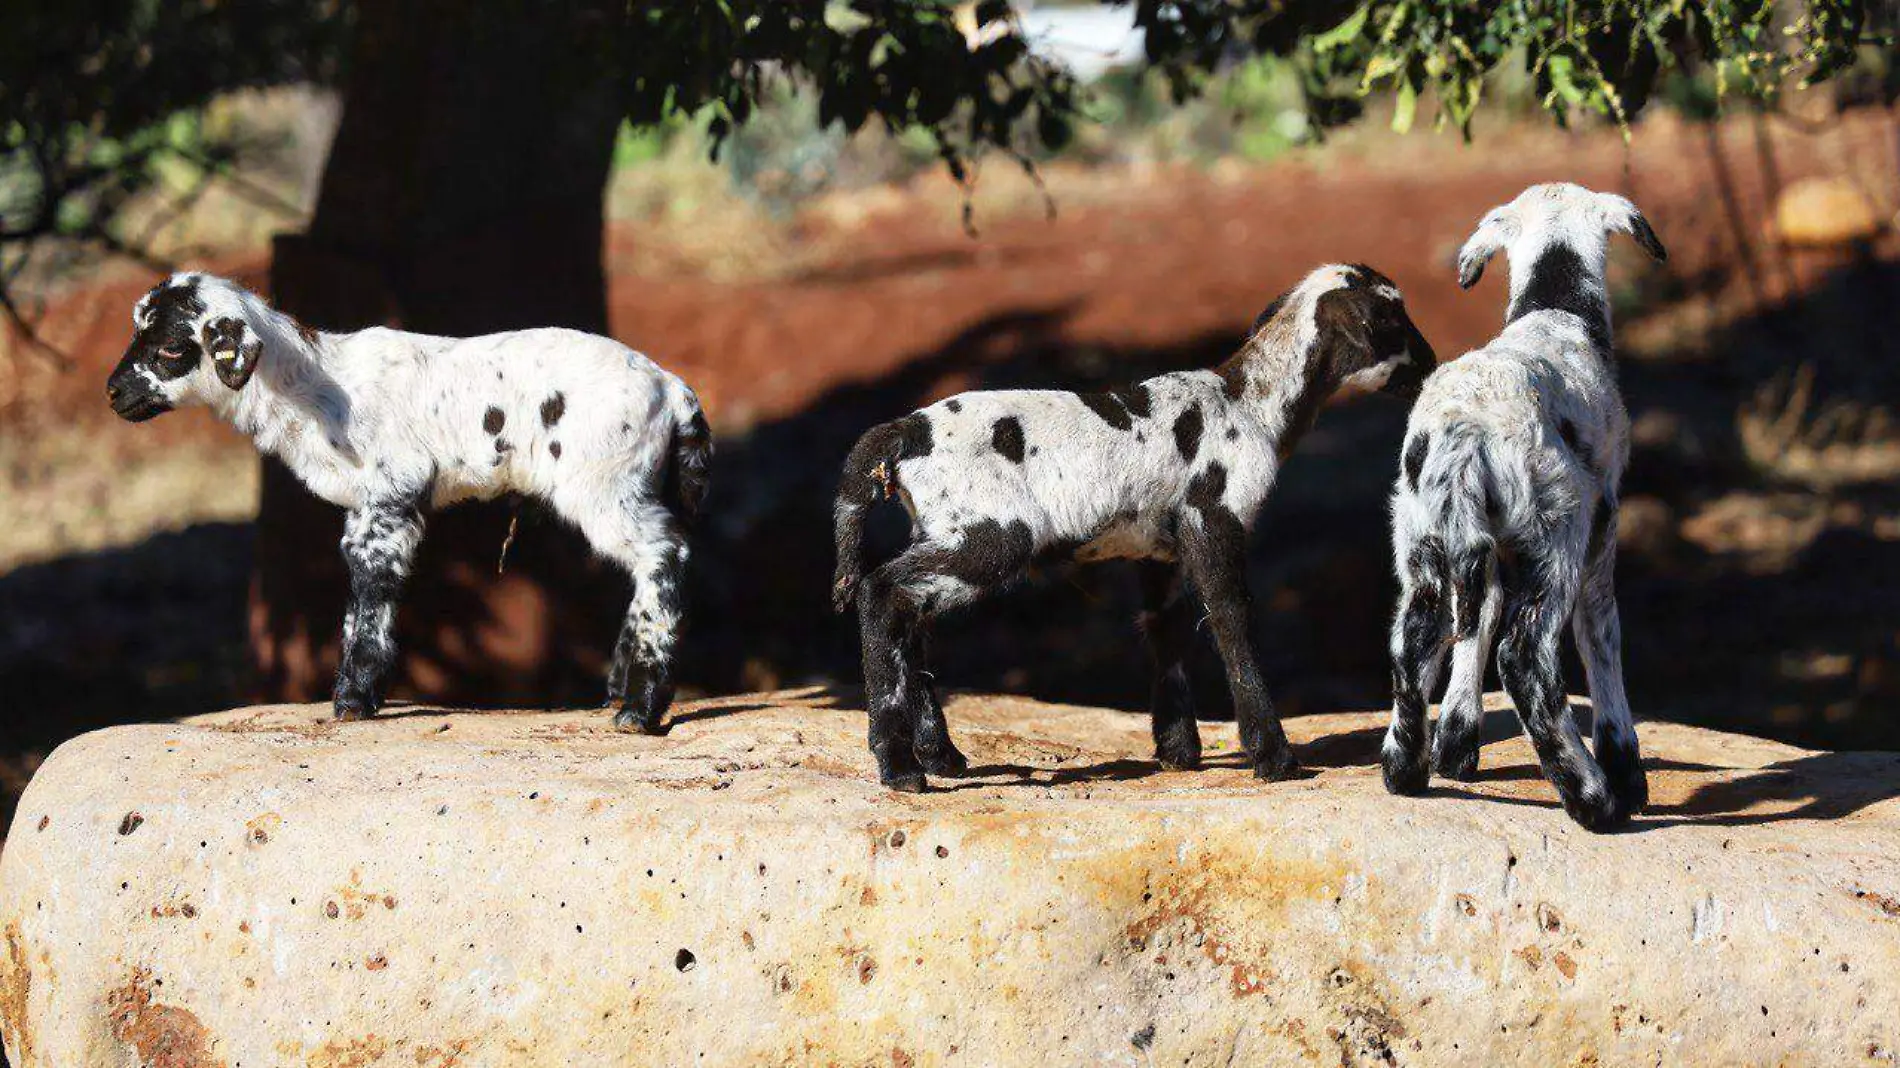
x,y
264,887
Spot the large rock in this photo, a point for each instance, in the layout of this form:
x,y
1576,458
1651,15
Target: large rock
x,y
264,887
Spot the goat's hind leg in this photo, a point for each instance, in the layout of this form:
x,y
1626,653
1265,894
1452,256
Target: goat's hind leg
x,y
1167,624
379,544
885,625
650,543
934,749
1538,603
1458,733
1418,654
1599,634
895,604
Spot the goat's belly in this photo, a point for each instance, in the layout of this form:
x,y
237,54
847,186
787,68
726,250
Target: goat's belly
x,y
1129,539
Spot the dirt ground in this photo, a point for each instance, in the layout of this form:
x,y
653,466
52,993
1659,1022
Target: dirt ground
x,y
1757,594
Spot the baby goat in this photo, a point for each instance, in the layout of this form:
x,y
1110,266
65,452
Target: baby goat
x,y
1506,505
1170,472
391,425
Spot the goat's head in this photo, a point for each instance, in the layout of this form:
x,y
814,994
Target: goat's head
x,y
1365,339
1557,213
192,337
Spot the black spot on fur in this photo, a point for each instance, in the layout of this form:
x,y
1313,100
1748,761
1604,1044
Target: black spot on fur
x,y
1111,409
493,420
1006,437
552,409
1233,433
1561,282
953,405
554,449
990,553
1205,490
1415,451
914,434
1187,433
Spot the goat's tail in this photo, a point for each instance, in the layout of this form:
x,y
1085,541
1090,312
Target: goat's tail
x,y
689,468
869,475
1459,483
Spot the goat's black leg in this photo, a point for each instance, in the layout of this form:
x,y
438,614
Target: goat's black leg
x,y
1214,547
884,626
1538,602
1599,635
1167,623
934,749
1418,652
379,543
896,601
650,542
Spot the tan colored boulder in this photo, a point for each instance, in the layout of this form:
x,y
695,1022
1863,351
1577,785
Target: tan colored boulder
x,y
1825,212
264,887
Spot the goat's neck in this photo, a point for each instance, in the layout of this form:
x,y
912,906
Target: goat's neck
x,y
292,407
1563,276
1280,380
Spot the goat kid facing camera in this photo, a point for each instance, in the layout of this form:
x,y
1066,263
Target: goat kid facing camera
x,y
1505,514
392,425
1170,472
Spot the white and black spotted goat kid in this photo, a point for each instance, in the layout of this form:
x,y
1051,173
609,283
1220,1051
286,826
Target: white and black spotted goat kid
x,y
1170,472
391,425
1505,509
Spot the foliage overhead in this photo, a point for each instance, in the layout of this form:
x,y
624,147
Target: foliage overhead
x,y
97,93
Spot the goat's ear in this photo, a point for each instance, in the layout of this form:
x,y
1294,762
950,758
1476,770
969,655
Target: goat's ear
x,y
1483,243
1343,317
1624,217
1640,230
234,353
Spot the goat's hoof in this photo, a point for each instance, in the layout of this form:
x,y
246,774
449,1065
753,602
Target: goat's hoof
x,y
1599,816
1406,777
1462,768
906,782
1277,767
950,763
349,711
629,720
1178,758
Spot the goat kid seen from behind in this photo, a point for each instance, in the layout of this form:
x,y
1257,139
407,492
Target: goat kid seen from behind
x,y
1505,514
1170,473
393,425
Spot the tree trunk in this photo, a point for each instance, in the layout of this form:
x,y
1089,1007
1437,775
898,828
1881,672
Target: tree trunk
x,y
463,195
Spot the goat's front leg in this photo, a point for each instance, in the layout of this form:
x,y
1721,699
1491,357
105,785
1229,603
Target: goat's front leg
x,y
1214,547
1167,623
379,543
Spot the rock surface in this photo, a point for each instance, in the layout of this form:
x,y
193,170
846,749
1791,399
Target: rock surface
x,y
263,887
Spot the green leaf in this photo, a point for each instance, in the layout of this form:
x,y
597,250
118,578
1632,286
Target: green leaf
x,y
1406,107
1344,33
1563,79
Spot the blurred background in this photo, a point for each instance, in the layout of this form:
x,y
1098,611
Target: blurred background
x,y
908,201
